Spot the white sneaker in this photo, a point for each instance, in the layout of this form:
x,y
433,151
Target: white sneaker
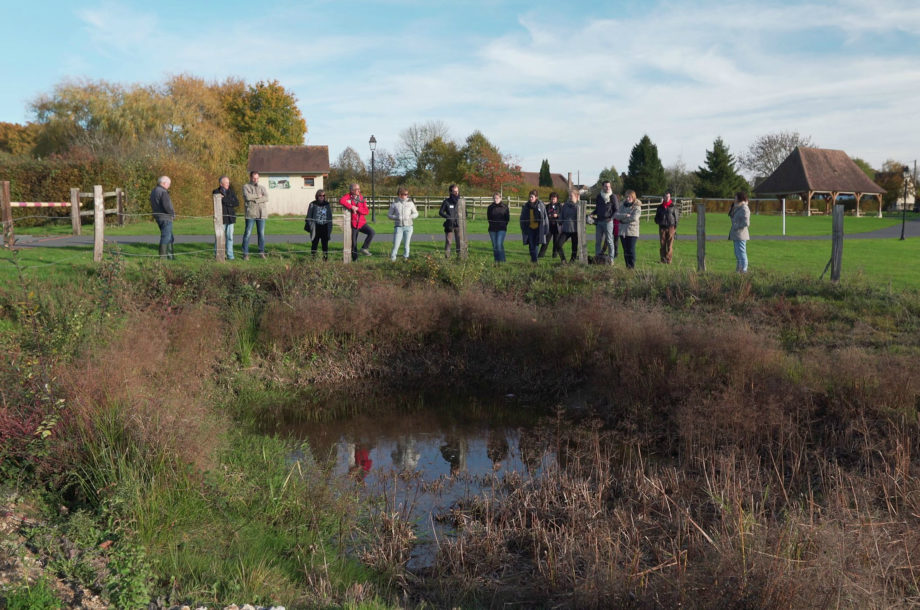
x,y
366,252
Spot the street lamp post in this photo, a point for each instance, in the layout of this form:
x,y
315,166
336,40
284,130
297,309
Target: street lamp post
x,y
373,144
905,174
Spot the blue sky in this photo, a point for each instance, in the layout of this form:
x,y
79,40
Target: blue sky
x,y
578,83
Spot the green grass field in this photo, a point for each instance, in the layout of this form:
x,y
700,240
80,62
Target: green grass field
x,y
885,262
293,225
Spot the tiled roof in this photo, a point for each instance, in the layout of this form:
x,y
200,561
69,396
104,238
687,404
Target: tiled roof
x,y
817,169
289,159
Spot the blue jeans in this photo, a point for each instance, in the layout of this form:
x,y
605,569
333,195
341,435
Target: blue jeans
x,y
399,233
228,231
260,227
741,255
604,230
498,245
166,232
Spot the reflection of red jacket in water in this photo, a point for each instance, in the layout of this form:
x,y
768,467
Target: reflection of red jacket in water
x,y
363,459
358,208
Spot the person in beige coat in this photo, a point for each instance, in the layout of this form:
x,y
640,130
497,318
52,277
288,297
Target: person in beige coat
x,y
256,198
740,214
628,214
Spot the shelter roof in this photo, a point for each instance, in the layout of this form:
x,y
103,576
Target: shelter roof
x,y
817,170
560,182
289,159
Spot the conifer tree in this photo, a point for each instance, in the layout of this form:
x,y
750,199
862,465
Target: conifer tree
x,y
719,178
546,179
646,174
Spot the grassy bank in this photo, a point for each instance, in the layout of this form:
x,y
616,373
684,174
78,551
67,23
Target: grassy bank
x,y
746,440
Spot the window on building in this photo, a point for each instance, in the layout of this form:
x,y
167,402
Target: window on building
x,y
308,181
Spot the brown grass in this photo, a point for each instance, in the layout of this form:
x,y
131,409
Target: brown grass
x,y
156,376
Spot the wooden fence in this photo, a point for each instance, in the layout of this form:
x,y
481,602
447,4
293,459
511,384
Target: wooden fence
x,y
98,212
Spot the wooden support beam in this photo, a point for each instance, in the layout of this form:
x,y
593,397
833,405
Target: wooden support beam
x,y
837,243
346,235
98,223
461,228
701,237
9,239
75,211
582,232
120,205
220,237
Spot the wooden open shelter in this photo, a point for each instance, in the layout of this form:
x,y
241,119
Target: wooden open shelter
x,y
820,171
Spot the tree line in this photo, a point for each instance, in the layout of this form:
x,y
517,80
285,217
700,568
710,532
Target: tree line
x,y
196,130
186,127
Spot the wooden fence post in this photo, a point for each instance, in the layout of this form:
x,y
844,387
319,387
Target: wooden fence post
x,y
837,243
120,205
5,202
75,211
461,228
582,232
346,236
701,237
220,238
98,222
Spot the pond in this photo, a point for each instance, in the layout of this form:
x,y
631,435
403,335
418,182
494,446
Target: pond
x,y
422,461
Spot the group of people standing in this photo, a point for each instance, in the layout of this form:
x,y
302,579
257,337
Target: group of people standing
x,y
254,195
616,222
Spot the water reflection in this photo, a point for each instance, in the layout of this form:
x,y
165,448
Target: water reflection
x,y
445,457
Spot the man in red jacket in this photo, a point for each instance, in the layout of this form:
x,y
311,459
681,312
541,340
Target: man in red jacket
x,y
355,203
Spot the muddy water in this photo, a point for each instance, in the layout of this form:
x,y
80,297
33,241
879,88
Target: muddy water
x,y
421,462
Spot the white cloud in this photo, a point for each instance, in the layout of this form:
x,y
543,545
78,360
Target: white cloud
x,y
580,93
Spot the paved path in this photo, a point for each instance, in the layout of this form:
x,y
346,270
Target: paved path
x,y
912,229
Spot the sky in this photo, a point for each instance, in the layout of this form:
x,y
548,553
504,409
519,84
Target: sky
x,y
577,83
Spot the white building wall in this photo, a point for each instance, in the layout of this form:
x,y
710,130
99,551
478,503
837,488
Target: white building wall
x,y
290,193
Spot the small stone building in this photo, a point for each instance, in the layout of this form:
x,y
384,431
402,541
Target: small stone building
x,y
291,174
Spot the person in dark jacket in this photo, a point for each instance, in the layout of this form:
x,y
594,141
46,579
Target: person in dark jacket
x,y
498,217
605,206
568,225
449,211
666,216
552,212
164,214
228,204
534,224
319,223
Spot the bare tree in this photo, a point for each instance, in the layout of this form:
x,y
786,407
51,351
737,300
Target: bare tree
x,y
679,180
767,152
415,139
384,163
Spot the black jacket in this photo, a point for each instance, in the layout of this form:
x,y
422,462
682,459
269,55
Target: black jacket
x,y
553,212
603,210
450,212
228,204
568,218
498,216
666,216
317,214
